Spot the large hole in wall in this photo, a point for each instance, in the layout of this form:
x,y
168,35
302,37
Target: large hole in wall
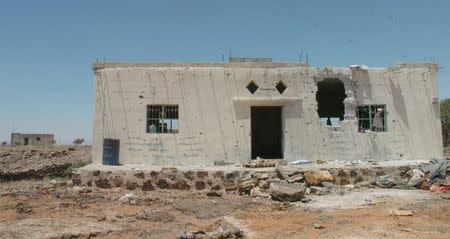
x,y
330,96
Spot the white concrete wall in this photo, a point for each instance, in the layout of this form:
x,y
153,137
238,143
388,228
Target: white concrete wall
x,y
214,111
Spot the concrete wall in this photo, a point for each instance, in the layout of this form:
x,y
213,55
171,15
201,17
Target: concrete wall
x,y
33,139
214,112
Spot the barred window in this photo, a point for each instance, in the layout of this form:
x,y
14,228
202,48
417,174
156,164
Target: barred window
x,y
162,119
372,117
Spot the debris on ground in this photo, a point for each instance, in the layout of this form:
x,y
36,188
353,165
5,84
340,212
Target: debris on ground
x,y
384,181
439,188
285,192
318,226
400,212
260,163
315,178
300,161
437,168
417,177
223,232
27,162
129,198
281,173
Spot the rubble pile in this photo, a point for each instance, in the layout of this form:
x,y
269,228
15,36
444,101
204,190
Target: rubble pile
x,y
23,162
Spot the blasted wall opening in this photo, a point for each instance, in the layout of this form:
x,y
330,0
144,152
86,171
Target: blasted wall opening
x,y
330,96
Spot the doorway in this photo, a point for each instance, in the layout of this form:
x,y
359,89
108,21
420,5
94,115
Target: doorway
x,y
25,141
266,132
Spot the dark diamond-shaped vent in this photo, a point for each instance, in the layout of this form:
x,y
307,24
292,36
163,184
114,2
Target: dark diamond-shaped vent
x,y
252,87
280,87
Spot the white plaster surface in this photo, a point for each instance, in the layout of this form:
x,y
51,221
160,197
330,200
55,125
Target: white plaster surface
x,y
214,112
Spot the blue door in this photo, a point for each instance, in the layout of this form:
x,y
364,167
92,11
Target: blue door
x,y
111,151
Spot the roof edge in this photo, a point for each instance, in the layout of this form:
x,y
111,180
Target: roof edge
x,y
99,66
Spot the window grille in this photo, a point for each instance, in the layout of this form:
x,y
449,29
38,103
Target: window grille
x,y
162,119
372,117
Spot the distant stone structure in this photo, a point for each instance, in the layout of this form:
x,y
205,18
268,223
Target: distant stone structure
x,y
32,139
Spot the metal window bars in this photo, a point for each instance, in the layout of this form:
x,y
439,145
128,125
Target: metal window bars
x,y
367,119
162,119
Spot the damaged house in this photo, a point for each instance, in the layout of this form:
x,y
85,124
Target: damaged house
x,y
226,113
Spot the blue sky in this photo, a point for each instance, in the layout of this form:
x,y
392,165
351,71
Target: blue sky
x,y
47,47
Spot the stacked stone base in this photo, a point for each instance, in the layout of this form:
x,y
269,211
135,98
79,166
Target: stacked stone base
x,y
241,180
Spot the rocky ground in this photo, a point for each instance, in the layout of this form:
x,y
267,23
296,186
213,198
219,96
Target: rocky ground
x,y
53,209
56,208
24,162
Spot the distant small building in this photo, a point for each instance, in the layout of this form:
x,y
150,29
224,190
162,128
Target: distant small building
x,y
32,139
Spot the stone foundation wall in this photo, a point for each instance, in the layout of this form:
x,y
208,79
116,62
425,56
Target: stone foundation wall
x,y
241,181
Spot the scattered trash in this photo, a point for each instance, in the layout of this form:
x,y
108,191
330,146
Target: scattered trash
x,y
400,212
417,177
437,168
439,188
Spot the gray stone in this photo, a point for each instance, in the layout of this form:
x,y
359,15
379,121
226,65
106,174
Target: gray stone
x,y
295,178
282,191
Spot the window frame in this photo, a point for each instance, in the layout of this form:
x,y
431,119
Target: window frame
x,y
372,108
163,116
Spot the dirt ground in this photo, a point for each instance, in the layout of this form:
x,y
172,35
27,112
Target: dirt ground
x,y
50,209
53,208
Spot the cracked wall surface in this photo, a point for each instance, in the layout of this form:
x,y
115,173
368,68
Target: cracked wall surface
x,y
214,112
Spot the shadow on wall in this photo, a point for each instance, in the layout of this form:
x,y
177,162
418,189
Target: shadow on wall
x,y
399,102
364,86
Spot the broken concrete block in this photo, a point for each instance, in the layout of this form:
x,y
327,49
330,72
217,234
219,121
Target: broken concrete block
x,y
315,178
283,191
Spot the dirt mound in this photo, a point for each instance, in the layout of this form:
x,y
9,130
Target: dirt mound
x,y
22,162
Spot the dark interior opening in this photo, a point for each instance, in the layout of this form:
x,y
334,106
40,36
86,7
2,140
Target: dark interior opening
x,y
330,96
266,132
